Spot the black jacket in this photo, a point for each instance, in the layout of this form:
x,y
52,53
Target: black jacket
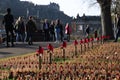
x,y
44,26
30,26
8,21
118,24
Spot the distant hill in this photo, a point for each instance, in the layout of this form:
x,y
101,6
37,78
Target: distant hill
x,y
25,8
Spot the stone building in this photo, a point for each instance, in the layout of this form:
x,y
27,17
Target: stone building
x,y
80,24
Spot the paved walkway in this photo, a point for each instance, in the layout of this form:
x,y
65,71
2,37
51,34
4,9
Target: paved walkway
x,y
21,48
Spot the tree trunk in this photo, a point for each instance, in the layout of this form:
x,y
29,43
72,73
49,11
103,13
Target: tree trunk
x,y
106,19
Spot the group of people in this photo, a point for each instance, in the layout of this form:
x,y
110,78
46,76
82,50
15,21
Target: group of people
x,y
24,32
55,31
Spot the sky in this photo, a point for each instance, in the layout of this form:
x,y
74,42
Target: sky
x,y
73,7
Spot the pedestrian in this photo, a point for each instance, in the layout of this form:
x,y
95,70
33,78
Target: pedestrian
x,y
30,29
87,31
57,31
46,30
52,31
118,28
8,22
68,31
61,30
20,29
95,33
1,38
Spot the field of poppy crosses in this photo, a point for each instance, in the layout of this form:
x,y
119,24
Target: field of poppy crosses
x,y
85,59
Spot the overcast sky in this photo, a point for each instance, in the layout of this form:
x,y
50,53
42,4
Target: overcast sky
x,y
72,7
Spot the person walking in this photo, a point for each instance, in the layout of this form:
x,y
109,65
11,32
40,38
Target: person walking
x,y
60,27
57,31
8,22
30,29
95,34
87,31
52,31
20,29
46,30
118,29
61,30
68,31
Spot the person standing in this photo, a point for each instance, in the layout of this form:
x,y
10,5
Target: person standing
x,y
8,22
87,31
30,29
118,27
57,32
46,30
95,34
68,31
52,31
61,31
20,29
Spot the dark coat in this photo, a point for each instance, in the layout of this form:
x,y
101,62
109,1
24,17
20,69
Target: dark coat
x,y
118,24
87,30
30,26
52,29
8,21
44,25
20,27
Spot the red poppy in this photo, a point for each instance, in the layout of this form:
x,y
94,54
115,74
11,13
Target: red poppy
x,y
81,41
75,42
91,39
40,50
50,47
97,38
86,40
64,44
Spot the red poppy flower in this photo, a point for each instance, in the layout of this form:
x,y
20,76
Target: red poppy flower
x,y
97,39
40,50
91,39
64,44
75,42
50,47
86,40
81,41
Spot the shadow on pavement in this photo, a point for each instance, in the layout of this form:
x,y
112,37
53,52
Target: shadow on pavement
x,y
5,53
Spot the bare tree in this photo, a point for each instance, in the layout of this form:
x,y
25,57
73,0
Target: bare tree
x,y
116,6
106,19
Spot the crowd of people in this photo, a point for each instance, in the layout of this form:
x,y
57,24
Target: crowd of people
x,y
53,31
